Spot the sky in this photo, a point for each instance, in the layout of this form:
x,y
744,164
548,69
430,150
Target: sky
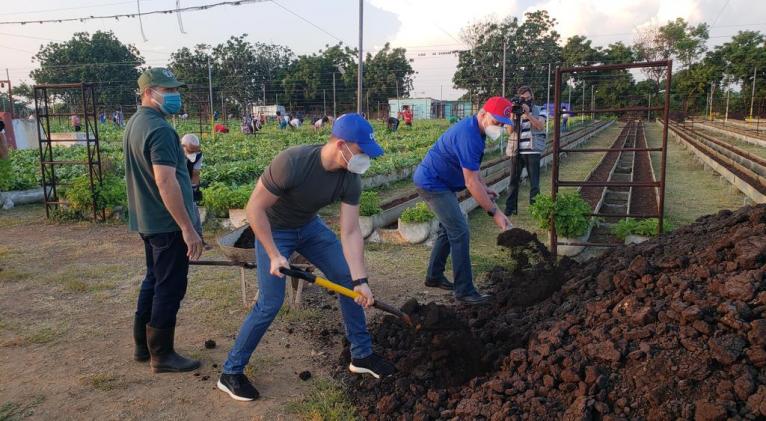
x,y
426,28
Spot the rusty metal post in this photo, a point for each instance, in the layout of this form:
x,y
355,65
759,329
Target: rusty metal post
x,y
556,140
666,112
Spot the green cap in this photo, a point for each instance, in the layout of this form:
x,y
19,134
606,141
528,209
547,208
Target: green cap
x,y
159,76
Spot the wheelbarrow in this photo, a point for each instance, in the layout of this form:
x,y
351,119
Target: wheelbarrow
x,y
244,258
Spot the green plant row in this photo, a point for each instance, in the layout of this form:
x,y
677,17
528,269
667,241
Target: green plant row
x,y
643,227
420,213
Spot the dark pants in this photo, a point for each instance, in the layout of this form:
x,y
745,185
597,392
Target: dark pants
x,y
164,286
532,163
453,238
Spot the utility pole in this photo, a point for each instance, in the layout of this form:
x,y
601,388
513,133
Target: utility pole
x,y
324,102
263,86
367,102
10,91
752,95
334,109
359,76
712,95
210,87
441,99
592,102
547,103
504,50
726,116
398,105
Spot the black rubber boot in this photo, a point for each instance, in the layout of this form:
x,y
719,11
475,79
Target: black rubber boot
x,y
141,354
163,357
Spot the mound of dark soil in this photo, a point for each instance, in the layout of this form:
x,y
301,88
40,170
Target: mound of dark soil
x,y
674,328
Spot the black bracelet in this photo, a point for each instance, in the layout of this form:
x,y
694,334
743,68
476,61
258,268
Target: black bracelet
x,y
493,211
356,282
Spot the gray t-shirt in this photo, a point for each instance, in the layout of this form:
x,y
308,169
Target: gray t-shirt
x,y
304,187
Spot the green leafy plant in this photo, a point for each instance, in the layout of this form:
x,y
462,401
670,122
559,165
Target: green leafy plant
x,y
218,198
420,213
643,227
369,204
109,195
571,212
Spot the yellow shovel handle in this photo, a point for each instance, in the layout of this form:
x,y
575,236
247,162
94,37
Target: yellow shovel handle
x,y
332,286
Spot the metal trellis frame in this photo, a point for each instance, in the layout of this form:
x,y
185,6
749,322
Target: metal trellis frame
x,y
660,184
45,98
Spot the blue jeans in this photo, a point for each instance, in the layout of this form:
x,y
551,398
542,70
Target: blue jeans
x,y
453,238
321,247
164,285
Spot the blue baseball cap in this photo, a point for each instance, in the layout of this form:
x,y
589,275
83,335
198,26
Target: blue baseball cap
x,y
353,128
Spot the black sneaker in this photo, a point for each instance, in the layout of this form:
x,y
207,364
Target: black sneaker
x,y
373,364
442,283
473,299
238,387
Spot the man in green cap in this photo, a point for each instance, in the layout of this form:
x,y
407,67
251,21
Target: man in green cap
x,y
161,210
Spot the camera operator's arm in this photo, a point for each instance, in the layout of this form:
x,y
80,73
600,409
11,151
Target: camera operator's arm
x,y
537,123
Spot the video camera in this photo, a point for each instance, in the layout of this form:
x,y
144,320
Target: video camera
x,y
516,105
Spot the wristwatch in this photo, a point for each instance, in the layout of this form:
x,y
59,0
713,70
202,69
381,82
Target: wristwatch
x,y
356,282
492,211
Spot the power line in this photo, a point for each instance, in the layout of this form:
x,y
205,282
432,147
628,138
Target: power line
x,y
137,15
305,20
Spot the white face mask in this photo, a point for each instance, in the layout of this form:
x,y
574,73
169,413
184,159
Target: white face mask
x,y
493,132
358,164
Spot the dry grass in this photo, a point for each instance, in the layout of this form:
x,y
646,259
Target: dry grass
x,y
691,190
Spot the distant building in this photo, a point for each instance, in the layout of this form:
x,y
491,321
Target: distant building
x,y
429,108
268,110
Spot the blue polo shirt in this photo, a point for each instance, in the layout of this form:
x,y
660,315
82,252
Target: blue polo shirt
x,y
461,146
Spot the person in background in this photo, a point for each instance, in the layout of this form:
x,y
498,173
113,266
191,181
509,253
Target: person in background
x,y
392,124
406,115
530,147
191,146
451,165
161,210
282,120
283,214
102,117
295,122
75,119
321,123
220,128
3,141
564,118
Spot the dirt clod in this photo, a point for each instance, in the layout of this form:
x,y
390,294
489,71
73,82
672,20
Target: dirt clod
x,y
305,375
210,344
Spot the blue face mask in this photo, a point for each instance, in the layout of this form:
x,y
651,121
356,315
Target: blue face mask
x,y
171,102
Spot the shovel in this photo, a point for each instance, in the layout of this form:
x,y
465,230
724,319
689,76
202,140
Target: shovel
x,y
324,283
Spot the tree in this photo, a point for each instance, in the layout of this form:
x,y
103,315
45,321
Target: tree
x,y
386,70
241,72
739,58
615,88
100,58
311,76
676,39
530,46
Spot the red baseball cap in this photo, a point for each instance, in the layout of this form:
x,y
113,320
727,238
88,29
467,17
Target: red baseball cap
x,y
500,108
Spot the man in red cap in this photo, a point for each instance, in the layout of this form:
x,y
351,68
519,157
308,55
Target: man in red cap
x,y
452,165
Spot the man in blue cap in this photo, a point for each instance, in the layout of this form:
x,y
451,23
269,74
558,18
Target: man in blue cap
x,y
282,211
451,165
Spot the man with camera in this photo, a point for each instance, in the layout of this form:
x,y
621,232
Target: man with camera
x,y
526,144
